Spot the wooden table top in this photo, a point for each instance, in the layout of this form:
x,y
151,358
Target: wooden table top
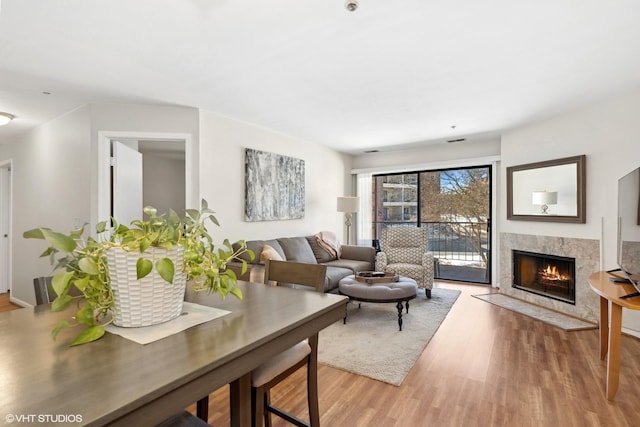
x,y
613,291
114,377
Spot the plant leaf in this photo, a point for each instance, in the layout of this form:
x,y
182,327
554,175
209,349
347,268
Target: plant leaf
x,y
59,240
165,269
36,233
61,303
101,227
82,283
143,268
85,315
60,282
88,266
92,333
237,292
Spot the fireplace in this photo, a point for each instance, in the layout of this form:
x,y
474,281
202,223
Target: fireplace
x,y
547,275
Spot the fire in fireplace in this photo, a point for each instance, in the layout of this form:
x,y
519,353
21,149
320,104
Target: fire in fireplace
x,y
548,275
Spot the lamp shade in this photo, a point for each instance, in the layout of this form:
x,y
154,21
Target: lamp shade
x,y
544,198
348,204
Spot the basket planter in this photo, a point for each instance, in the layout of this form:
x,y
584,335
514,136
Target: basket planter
x,y
150,300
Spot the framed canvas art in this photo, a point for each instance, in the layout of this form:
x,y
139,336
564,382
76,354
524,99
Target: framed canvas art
x,y
274,186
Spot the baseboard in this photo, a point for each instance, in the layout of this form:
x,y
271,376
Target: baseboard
x,y
19,302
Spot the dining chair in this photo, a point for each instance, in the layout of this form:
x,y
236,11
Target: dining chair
x,y
305,353
43,291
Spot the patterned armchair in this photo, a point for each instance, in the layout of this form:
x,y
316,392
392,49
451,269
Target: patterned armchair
x,y
404,252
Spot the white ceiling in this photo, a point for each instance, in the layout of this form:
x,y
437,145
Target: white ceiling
x,y
393,73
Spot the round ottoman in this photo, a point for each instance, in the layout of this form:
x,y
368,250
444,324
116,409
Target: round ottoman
x,y
403,290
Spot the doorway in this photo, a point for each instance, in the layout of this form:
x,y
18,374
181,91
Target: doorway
x,y
453,204
167,171
5,227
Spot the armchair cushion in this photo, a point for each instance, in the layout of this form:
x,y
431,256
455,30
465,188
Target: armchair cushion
x,y
407,254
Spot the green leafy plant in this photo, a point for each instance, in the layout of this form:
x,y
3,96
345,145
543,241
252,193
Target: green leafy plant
x,y
82,277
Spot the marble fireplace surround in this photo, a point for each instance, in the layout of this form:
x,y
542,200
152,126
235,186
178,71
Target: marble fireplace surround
x,y
587,255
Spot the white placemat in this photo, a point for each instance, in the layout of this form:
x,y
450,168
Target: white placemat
x,y
192,314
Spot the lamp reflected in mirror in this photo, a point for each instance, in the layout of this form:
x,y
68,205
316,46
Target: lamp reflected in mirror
x,y
544,199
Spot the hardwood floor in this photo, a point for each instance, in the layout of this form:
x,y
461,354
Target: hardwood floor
x,y
6,305
485,366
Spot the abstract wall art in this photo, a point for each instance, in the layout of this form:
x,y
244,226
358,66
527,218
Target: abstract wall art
x,y
274,186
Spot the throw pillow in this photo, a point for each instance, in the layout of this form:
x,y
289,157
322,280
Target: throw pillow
x,y
321,254
269,253
297,249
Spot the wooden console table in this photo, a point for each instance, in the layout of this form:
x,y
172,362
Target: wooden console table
x,y
610,334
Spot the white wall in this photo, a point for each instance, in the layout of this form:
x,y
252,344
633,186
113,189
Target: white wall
x,y
608,134
51,166
222,145
163,182
141,118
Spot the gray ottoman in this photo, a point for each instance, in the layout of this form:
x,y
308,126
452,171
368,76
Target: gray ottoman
x,y
403,290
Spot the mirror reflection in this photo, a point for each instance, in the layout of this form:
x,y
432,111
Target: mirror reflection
x,y
552,190
546,191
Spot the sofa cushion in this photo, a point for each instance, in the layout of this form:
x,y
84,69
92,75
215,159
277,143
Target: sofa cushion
x,y
351,264
269,253
321,254
297,249
334,275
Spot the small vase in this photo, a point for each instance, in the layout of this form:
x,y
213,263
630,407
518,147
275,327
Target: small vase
x,y
150,300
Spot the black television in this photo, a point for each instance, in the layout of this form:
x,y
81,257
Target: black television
x,y
629,228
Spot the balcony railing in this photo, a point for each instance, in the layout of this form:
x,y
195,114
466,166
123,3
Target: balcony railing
x,y
462,248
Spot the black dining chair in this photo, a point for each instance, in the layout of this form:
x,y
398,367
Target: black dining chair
x,y
305,353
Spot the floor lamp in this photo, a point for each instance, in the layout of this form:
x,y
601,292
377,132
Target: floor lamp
x,y
348,205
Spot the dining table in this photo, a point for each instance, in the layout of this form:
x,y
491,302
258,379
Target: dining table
x,y
116,381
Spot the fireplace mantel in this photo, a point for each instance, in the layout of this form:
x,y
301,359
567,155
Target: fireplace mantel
x,y
587,260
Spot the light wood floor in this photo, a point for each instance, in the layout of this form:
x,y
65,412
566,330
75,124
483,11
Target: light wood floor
x,y
6,305
485,366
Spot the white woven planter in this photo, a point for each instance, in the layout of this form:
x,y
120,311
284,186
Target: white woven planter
x,y
148,301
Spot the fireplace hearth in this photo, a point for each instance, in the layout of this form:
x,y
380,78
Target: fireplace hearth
x,y
547,275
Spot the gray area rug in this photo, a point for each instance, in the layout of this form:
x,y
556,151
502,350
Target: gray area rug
x,y
551,317
370,344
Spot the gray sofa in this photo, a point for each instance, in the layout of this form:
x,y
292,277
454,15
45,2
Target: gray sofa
x,y
306,249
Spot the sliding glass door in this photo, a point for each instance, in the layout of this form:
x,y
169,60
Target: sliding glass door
x,y
453,204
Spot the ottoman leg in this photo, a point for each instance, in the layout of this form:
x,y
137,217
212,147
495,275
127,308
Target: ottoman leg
x,y
428,292
407,305
399,307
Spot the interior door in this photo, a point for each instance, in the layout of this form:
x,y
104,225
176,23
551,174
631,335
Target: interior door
x,y
127,183
5,227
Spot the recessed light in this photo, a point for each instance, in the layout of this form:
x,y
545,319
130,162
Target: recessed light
x,y
5,118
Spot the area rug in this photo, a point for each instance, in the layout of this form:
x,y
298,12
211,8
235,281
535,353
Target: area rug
x,y
551,317
370,343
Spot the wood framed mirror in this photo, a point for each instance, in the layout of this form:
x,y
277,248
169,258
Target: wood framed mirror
x,y
552,191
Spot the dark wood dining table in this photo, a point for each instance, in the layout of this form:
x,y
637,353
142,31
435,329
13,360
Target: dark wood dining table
x,y
115,381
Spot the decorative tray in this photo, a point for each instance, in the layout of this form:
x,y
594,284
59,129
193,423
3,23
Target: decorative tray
x,y
376,277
